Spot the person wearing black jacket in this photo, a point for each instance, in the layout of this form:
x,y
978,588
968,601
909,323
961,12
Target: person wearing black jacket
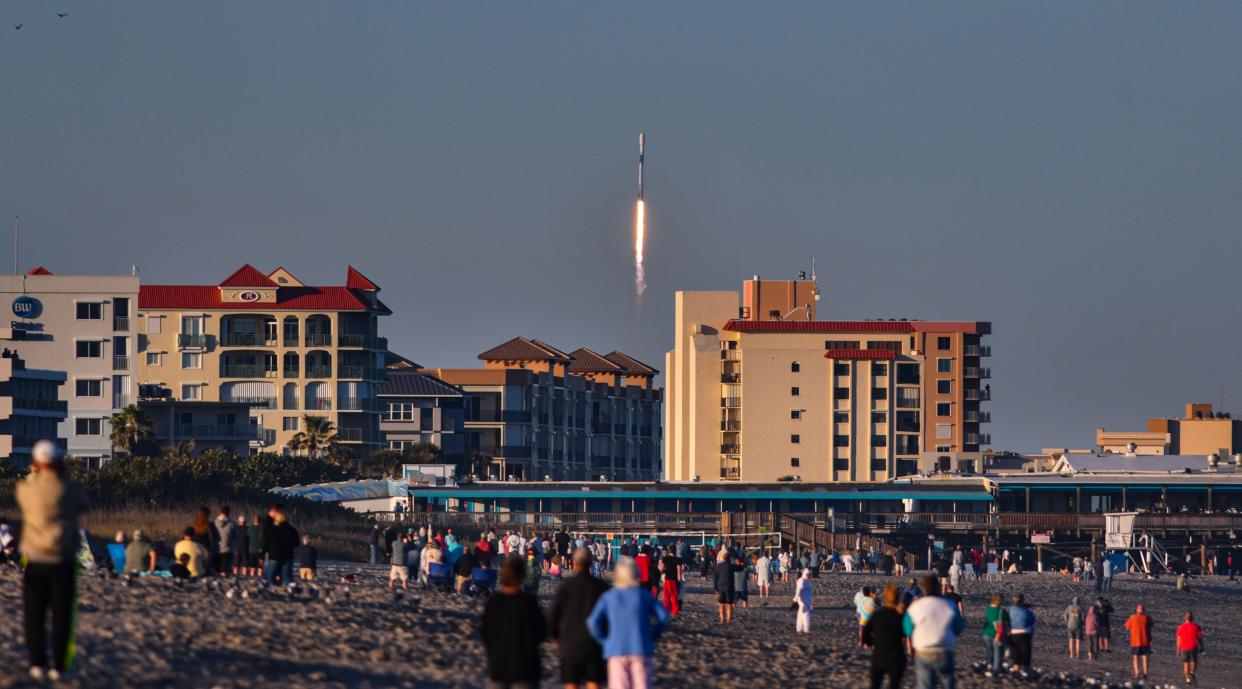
x,y
883,634
465,568
582,658
512,627
723,580
279,543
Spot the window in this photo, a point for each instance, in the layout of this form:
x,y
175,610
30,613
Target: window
x,y
840,393
879,441
88,426
192,391
944,431
90,311
88,388
944,409
191,360
878,369
840,417
89,349
944,448
794,462
944,343
879,464
192,325
944,365
155,358
289,423
907,374
795,391
841,369
907,421
879,417
879,393
774,313
944,387
399,411
795,414
840,344
840,440
907,398
795,367
886,345
155,325
425,418
795,438
841,464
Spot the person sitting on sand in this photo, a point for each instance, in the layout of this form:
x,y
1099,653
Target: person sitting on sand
x,y
116,553
139,555
512,627
188,546
181,568
622,623
308,560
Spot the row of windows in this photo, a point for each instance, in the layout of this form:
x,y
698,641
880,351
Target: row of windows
x,y
843,464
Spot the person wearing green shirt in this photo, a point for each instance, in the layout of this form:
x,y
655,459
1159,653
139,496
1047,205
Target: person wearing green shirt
x,y
995,631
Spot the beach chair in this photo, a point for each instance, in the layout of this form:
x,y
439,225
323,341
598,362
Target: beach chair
x,y
440,576
482,581
970,572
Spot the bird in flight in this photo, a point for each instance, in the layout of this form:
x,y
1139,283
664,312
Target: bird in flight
x,y
18,26
62,15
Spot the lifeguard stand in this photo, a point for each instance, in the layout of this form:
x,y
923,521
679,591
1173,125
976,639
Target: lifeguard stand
x,y
1141,549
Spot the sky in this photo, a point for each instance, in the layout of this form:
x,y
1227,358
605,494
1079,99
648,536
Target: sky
x,y
1068,171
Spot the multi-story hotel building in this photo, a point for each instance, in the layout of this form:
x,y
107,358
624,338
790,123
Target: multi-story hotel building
x,y
420,408
538,412
82,325
30,408
286,348
765,392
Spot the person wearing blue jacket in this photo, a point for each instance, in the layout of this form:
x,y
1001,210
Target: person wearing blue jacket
x,y
621,623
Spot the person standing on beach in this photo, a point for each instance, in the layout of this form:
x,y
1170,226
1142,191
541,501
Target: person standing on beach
x,y
1139,626
50,504
398,570
671,566
374,541
803,600
1106,623
582,658
512,627
1073,627
723,580
741,584
1021,634
883,634
224,533
627,621
785,563
933,625
995,631
1189,643
280,545
1091,630
763,573
864,607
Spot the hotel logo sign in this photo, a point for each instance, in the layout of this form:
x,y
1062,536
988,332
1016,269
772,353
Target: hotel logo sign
x,y
27,307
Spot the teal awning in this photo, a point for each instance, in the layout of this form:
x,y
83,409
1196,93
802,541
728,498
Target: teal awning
x,y
492,494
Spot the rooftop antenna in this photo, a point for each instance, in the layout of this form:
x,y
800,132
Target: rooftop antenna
x,y
814,281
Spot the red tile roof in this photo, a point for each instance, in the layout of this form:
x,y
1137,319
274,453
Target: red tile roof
x,y
522,349
878,327
860,354
207,297
39,271
248,276
356,280
632,366
587,361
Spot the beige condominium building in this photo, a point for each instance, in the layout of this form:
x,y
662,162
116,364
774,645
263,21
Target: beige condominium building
x,y
1202,431
766,392
286,348
82,325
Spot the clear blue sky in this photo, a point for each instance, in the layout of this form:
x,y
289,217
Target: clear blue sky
x,y
1069,171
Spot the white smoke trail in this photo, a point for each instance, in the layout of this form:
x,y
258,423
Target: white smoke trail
x,y
640,237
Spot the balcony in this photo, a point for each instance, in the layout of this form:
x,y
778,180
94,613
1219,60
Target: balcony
x,y
120,324
318,340
246,371
318,371
978,395
362,342
319,404
978,350
731,473
28,404
731,402
730,426
978,417
730,449
973,372
978,439
120,363
508,451
355,372
369,404
187,341
247,340
730,377
730,355
186,431
120,401
259,402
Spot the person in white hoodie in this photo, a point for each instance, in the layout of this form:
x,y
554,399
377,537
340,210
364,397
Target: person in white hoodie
x,y
933,624
802,598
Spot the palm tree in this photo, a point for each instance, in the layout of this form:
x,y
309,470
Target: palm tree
x,y
130,427
182,450
320,435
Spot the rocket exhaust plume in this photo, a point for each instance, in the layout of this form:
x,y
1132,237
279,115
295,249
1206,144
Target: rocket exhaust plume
x,y
640,228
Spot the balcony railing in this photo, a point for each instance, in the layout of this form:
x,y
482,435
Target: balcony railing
x,y
730,355
120,363
730,425
731,402
186,431
978,439
731,473
319,404
247,340
973,372
359,372
978,417
186,341
318,340
977,395
318,371
260,402
357,435
28,404
358,404
730,377
978,350
120,324
730,449
362,342
120,401
246,371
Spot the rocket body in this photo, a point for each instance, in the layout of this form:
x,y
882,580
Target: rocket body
x,y
642,144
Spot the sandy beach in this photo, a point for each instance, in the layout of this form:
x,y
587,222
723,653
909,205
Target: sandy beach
x,y
152,632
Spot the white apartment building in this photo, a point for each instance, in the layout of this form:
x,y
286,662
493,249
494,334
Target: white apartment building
x,y
82,325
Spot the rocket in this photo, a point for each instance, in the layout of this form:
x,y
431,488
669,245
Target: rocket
x,y
642,142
